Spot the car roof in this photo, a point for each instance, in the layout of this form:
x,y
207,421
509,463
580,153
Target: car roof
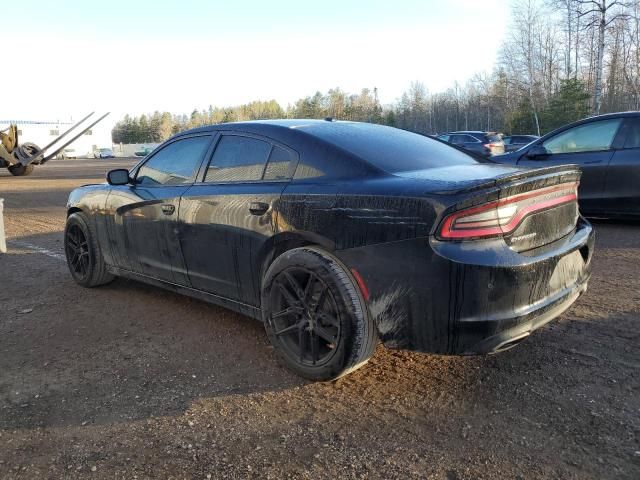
x,y
265,126
467,131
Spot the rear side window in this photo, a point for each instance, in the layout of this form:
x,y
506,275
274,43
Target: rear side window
x,y
633,134
280,164
590,137
175,164
238,159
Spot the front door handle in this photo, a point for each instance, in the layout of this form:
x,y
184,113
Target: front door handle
x,y
168,209
258,208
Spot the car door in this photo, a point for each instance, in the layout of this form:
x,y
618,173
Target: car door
x,y
143,215
622,184
589,145
227,218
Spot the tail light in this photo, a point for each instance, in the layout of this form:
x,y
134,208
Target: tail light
x,y
503,216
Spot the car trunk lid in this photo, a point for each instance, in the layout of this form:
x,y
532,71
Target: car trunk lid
x,y
527,208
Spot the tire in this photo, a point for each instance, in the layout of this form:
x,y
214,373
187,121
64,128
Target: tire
x,y
84,257
20,170
315,316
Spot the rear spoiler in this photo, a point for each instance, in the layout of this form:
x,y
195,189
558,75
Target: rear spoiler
x,y
546,175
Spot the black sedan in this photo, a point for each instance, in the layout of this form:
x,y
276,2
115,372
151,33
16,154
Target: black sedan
x,y
340,234
484,144
607,149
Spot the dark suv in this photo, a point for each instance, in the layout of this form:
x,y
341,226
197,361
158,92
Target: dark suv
x,y
516,142
485,144
607,149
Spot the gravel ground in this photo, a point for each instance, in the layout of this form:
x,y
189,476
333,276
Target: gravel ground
x,y
129,381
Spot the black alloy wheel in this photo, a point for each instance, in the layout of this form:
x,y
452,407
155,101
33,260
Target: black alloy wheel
x,y
84,256
315,316
77,250
306,321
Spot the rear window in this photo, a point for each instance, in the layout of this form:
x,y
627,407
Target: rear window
x,y
390,149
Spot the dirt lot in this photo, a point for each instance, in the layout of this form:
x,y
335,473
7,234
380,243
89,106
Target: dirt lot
x,y
128,381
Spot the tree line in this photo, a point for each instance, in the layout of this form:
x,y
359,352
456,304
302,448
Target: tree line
x,y
561,60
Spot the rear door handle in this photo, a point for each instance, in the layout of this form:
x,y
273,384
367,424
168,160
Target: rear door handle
x,y
168,209
258,208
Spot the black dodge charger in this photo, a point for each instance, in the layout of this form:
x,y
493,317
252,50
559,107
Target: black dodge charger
x,y
338,235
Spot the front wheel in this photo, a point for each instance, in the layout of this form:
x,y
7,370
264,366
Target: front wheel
x,y
20,170
83,253
315,316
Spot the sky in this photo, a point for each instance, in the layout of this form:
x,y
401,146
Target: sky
x,y
71,57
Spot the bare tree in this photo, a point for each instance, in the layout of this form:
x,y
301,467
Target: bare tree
x,y
604,13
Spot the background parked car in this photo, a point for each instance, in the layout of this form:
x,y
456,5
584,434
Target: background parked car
x,y
485,144
103,153
607,148
516,142
70,152
143,152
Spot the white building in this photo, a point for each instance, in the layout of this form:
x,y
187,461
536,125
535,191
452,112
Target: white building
x,y
42,133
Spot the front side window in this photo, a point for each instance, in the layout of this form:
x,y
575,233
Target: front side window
x,y
238,159
591,137
175,164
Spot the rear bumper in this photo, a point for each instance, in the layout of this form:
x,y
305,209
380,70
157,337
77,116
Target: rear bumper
x,y
496,335
469,297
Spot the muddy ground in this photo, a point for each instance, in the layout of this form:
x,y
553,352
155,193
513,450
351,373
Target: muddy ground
x,y
129,381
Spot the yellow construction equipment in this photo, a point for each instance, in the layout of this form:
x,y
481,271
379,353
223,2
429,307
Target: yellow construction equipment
x,y
20,158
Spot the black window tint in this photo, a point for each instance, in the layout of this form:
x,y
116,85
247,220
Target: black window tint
x,y
238,159
279,164
633,135
388,148
175,164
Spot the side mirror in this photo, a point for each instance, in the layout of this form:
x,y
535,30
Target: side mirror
x,y
119,176
538,152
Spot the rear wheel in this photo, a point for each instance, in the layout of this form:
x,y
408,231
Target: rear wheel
x,y
20,170
315,316
84,257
